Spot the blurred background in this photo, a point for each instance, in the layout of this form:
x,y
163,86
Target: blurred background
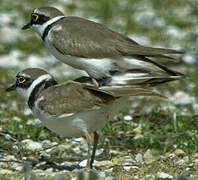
x,y
164,125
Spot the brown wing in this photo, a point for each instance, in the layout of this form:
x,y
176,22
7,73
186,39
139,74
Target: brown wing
x,y
72,97
84,38
131,90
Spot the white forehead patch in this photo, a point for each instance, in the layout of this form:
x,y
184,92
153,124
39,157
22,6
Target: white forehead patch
x,y
40,12
23,75
25,93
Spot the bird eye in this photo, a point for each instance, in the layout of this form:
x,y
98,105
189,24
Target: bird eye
x,y
35,17
21,80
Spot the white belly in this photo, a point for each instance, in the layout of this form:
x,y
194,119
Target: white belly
x,y
80,123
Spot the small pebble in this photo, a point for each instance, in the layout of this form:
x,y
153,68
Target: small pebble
x,y
127,118
137,130
31,145
17,119
109,170
33,122
83,163
164,175
103,163
179,152
139,158
149,156
5,171
138,136
180,162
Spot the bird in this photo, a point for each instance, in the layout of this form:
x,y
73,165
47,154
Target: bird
x,y
107,56
76,107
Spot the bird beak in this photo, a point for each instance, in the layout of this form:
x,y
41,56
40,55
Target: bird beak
x,y
11,88
27,26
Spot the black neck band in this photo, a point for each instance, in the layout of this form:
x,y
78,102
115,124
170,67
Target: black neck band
x,y
47,29
46,84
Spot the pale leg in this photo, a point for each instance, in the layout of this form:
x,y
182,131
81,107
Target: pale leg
x,y
96,84
89,140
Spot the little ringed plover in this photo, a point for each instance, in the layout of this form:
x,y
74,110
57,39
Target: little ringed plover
x,y
107,56
75,108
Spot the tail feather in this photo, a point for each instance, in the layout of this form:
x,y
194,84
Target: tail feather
x,y
160,66
160,56
147,79
142,70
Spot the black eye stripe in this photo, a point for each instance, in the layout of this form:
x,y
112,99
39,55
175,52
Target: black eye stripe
x,y
23,84
26,84
41,19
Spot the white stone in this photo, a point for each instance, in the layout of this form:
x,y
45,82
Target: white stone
x,y
127,118
10,157
149,156
164,175
180,162
109,170
5,171
17,119
149,176
31,145
139,158
33,122
21,126
171,155
110,178
136,177
189,59
102,163
83,163
127,168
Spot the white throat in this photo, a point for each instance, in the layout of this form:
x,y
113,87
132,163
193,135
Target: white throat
x,y
25,93
40,28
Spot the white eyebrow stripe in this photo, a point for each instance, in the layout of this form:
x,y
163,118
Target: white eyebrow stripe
x,y
23,75
41,28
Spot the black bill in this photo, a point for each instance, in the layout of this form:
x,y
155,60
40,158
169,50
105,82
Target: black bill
x,y
27,26
11,88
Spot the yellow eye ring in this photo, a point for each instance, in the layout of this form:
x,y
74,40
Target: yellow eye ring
x,y
21,80
35,17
